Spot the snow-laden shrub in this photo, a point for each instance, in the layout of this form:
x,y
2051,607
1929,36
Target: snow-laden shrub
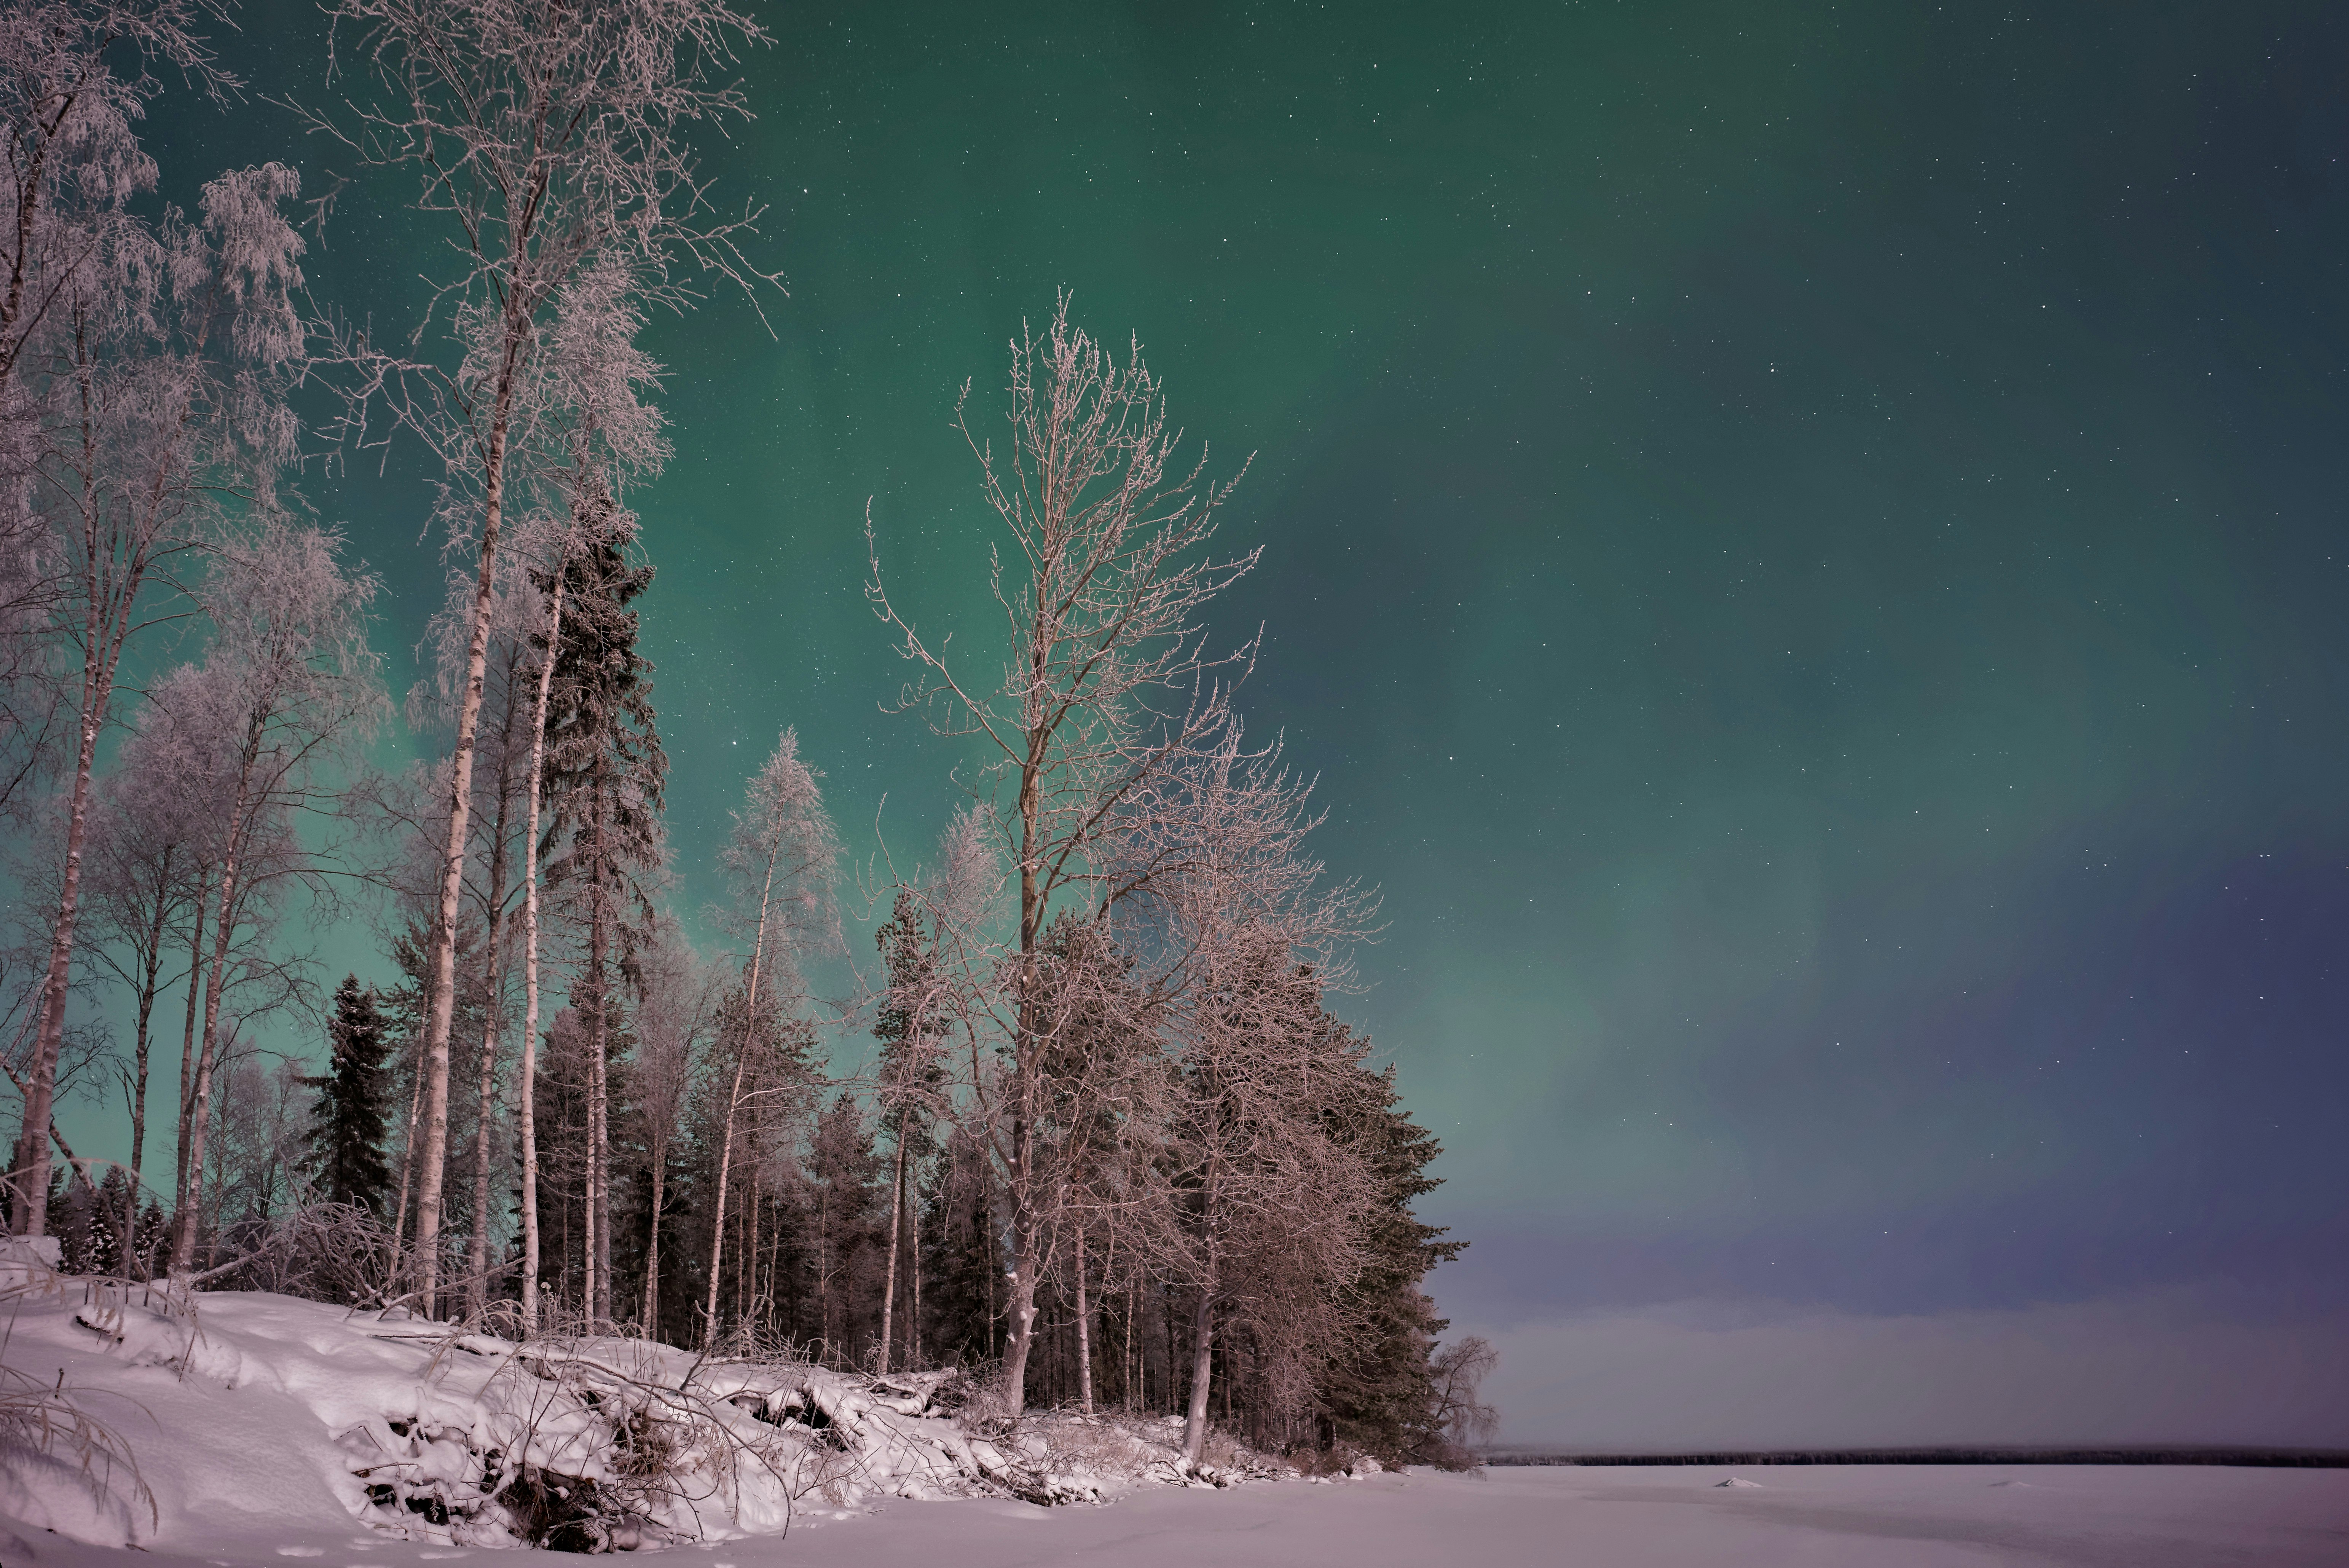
x,y
44,1426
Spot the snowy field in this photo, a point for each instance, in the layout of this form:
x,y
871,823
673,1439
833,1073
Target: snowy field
x,y
1819,1517
261,1429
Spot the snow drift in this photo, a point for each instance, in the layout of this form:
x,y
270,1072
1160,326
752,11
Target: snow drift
x,y
238,1414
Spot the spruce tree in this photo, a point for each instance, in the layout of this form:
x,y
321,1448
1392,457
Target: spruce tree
x,y
844,1175
910,1025
346,1140
1380,1392
603,776
962,1259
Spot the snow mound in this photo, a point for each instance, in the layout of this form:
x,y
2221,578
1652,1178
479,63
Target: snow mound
x,y
1740,1483
245,1415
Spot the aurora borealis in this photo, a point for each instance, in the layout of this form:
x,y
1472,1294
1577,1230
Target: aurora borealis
x,y
1805,543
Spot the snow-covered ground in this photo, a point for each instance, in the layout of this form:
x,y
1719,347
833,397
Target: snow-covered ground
x,y
261,1429
159,1418
1818,1517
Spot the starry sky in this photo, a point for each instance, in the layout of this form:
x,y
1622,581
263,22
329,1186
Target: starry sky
x,y
1804,542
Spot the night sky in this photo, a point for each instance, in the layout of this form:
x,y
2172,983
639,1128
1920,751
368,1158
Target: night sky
x,y
1805,543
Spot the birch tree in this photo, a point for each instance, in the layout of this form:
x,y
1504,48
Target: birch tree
x,y
149,855
781,861
1106,682
161,407
1274,1204
608,434
75,77
675,998
546,134
293,680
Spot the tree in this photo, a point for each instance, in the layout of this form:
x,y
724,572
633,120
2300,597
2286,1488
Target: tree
x,y
780,860
72,157
1380,1390
674,1012
1274,1204
910,1025
1461,1422
1273,1207
158,372
549,134
845,1171
149,859
610,434
292,684
604,774
346,1140
1104,684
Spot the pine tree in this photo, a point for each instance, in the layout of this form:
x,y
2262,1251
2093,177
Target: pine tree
x,y
347,1126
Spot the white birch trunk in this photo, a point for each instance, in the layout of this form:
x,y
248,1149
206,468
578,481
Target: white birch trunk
x,y
528,1071
1084,1333
734,1105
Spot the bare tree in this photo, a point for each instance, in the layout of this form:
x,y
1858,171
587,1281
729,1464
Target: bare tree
x,y
548,134
782,861
148,858
75,78
160,403
1464,1422
72,157
1273,1200
676,1006
910,1023
290,675
1104,685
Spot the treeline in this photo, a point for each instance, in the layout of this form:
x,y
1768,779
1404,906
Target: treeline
x,y
1087,1126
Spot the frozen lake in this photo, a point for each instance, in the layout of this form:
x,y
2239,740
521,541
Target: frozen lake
x,y
1667,1516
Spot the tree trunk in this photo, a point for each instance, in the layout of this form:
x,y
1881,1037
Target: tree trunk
x,y
32,1162
441,996
896,1217
746,1266
1020,1306
717,1228
823,1273
529,1070
187,1048
988,1248
224,929
1084,1333
652,1250
138,1092
914,1317
477,1249
1019,1168
1203,1343
599,1210
407,1178
734,1101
